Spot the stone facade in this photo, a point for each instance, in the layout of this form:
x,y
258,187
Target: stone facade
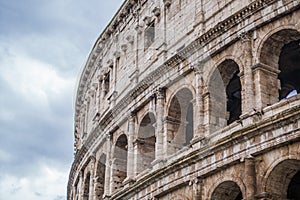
x,y
191,99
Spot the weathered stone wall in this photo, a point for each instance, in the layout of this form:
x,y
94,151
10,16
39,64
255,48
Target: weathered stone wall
x,y
187,99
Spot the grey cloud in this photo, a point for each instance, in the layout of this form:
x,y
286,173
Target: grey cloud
x,y
60,34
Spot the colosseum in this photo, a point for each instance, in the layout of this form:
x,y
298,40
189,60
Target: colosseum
x,y
191,100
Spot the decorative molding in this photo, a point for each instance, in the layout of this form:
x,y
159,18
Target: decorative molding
x,y
167,3
156,11
147,20
124,47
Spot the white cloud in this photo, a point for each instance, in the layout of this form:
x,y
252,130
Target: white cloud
x,y
33,80
48,183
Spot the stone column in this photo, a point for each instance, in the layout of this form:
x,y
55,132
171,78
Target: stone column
x,y
80,185
102,89
74,192
198,104
246,75
130,153
250,178
136,166
206,124
107,167
266,85
92,175
197,189
98,96
159,133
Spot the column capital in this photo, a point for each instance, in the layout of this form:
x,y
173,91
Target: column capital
x,y
160,92
245,36
107,135
198,67
132,116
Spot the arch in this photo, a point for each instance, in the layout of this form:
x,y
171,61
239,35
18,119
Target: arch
x,y
100,176
220,61
284,179
279,54
86,189
261,45
228,190
180,120
225,99
119,162
146,142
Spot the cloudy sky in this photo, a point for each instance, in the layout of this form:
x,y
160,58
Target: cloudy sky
x,y
43,48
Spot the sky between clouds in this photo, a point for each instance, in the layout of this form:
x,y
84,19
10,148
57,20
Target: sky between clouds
x,y
43,48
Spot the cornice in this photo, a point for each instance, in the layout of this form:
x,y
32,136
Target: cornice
x,y
190,49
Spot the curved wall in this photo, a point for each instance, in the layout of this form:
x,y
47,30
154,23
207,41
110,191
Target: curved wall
x,y
191,99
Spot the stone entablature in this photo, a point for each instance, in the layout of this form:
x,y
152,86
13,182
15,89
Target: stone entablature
x,y
177,91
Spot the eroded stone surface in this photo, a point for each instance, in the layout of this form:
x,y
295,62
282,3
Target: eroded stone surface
x,y
191,99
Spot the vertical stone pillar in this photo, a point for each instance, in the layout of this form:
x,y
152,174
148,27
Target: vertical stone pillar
x,y
92,177
107,167
103,89
80,185
250,178
159,133
198,104
207,124
102,94
197,189
246,75
74,192
130,152
98,95
136,165
266,85
199,19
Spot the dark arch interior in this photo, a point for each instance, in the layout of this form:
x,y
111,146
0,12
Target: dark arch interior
x,y
190,125
120,162
100,177
180,115
284,180
234,98
227,190
146,142
86,191
294,187
289,66
225,86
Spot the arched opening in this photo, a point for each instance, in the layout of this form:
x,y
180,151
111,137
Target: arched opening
x,y
228,190
284,180
293,189
225,95
180,121
119,162
146,143
289,66
281,61
100,177
189,130
86,190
